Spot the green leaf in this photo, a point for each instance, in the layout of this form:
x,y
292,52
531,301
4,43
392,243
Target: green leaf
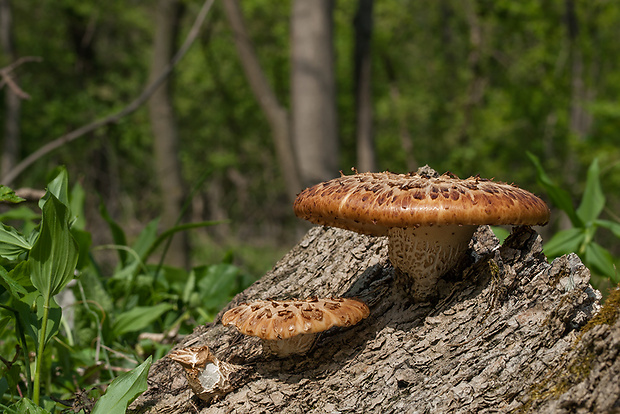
x,y
593,200
22,213
138,318
12,243
217,284
59,187
10,284
118,235
30,310
25,405
7,195
564,242
559,197
123,390
600,260
610,225
146,238
55,253
78,195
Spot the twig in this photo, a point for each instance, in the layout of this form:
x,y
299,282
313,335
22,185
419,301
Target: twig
x,y
132,107
5,74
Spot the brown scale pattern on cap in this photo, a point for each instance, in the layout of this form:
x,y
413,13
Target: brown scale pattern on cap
x,y
272,320
371,203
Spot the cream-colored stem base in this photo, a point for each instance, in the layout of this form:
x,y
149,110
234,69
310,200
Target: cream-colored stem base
x,y
282,348
426,253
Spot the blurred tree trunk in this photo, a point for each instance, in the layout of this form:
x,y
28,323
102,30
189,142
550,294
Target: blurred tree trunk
x,y
12,102
167,166
363,87
477,82
313,91
276,114
580,121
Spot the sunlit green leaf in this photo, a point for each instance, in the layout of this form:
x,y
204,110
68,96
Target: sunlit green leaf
x,y
59,187
12,243
601,261
10,284
7,195
30,310
138,318
564,242
123,390
26,405
55,253
593,199
610,225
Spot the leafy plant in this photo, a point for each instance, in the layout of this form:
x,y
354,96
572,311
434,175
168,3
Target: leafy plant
x,y
585,221
81,344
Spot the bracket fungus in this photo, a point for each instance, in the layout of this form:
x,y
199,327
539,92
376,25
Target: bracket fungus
x,y
429,219
290,327
207,376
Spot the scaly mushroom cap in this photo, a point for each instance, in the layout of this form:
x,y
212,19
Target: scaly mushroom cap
x,y
372,203
276,320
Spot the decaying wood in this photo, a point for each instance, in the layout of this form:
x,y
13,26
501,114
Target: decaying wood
x,y
501,338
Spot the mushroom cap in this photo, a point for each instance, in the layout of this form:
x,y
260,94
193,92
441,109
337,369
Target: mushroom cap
x,y
271,319
372,203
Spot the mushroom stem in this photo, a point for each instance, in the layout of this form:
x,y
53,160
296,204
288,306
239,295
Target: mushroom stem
x,y
426,253
296,345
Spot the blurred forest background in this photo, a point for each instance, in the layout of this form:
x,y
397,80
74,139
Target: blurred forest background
x,y
274,96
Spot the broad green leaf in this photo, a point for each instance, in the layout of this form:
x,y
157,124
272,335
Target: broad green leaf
x,y
217,284
593,199
10,284
500,232
565,241
123,390
55,253
7,195
559,197
12,243
26,405
146,238
138,318
59,187
30,311
610,225
600,260
22,213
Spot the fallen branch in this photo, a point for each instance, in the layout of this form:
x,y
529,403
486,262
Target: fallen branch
x,y
110,119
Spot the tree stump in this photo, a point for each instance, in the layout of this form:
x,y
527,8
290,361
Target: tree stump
x,y
504,336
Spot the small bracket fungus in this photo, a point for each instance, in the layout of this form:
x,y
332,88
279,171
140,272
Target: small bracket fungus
x,y
290,327
429,219
207,376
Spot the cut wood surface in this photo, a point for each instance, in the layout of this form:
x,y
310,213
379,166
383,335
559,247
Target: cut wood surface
x,y
503,337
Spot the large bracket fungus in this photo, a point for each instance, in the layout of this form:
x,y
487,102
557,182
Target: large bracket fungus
x,y
429,219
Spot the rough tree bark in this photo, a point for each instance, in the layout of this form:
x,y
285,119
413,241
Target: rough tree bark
x,y
313,91
504,337
167,165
